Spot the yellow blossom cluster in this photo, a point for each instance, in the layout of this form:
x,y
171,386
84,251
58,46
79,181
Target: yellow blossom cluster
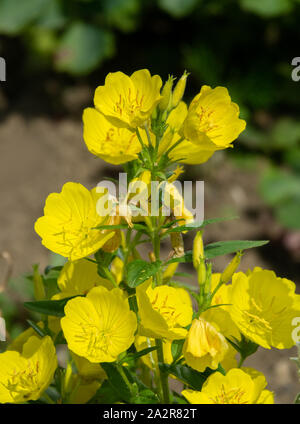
x,y
117,312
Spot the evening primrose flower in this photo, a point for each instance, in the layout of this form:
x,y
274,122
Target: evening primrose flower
x,y
25,376
69,221
173,199
213,119
263,308
204,346
99,326
128,101
81,387
18,343
221,320
78,278
113,144
236,387
183,150
164,311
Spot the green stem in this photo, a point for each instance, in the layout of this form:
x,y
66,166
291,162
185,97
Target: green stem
x,y
110,276
140,138
174,145
163,376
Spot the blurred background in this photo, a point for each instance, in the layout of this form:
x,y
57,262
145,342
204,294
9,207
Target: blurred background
x,y
58,51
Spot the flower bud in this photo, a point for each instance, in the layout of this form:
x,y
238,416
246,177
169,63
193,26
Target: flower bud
x,y
39,289
170,271
179,90
198,249
166,94
231,268
201,271
204,346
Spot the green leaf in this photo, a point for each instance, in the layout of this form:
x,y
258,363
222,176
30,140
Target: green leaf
x,y
267,8
288,213
196,225
285,134
178,8
82,48
139,271
278,186
220,248
176,349
224,247
138,354
36,328
121,13
106,394
297,400
52,16
116,380
48,307
146,397
15,15
187,375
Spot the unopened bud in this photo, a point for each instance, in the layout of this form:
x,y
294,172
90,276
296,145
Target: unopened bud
x,y
170,271
166,93
152,256
179,90
198,249
39,288
201,271
67,381
231,268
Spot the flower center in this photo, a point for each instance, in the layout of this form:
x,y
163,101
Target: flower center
x,y
166,310
24,382
255,319
232,396
206,121
130,104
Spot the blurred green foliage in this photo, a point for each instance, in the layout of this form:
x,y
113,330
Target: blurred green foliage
x,y
246,45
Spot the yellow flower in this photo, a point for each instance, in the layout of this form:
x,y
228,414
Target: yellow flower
x,y
236,387
263,307
18,343
67,227
222,296
78,278
81,387
173,199
186,151
99,326
128,101
24,376
204,346
110,143
164,311
142,342
212,120
87,370
220,318
83,392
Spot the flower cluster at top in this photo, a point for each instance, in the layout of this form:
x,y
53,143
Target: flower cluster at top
x,y
128,323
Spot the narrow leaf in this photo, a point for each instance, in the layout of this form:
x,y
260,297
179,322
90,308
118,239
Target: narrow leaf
x,y
48,307
139,271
